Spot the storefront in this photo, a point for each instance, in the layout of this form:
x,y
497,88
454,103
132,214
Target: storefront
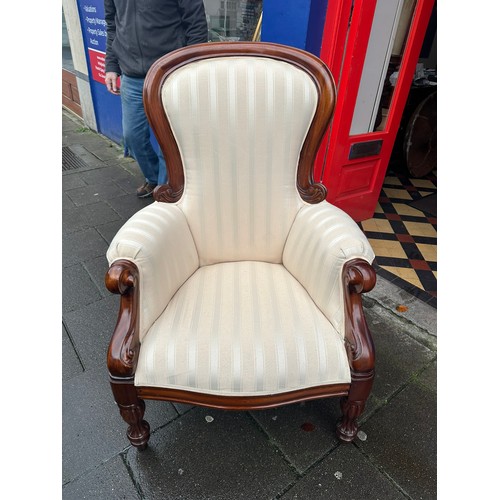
x,y
371,47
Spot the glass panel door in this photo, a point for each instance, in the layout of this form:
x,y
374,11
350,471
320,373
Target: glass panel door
x,y
389,32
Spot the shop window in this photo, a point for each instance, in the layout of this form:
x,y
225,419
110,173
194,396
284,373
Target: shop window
x,y
233,20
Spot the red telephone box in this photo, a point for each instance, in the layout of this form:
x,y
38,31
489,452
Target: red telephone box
x,y
372,49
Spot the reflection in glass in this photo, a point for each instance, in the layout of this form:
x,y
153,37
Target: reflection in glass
x,y
388,35
392,74
233,20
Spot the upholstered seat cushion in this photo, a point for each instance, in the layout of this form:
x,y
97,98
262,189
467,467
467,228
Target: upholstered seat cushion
x,y
242,328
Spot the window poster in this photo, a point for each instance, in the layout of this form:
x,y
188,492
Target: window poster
x,y
94,35
226,19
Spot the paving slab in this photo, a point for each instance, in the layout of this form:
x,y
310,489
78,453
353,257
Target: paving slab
x,y
109,173
131,166
418,314
94,193
71,365
74,219
428,377
227,458
91,328
107,150
304,432
93,431
402,441
97,269
398,357
77,219
99,213
108,231
78,289
82,245
78,135
344,474
110,481
72,180
66,202
131,183
129,204
70,122
182,408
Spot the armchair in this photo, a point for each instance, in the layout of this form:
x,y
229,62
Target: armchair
x,y
240,285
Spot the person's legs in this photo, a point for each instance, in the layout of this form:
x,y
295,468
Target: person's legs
x,y
136,131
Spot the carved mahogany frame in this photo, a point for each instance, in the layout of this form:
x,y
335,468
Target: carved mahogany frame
x,y
309,190
358,276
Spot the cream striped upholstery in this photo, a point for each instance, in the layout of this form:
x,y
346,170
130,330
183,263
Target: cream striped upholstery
x,y
242,328
321,240
240,123
240,290
157,239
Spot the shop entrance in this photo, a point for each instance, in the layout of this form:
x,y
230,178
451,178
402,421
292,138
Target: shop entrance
x,y
372,48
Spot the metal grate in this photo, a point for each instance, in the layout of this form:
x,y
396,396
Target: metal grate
x,y
70,161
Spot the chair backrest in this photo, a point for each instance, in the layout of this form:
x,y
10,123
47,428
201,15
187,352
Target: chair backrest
x,y
239,125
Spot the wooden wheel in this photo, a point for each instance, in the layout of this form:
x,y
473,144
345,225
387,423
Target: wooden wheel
x,y
420,142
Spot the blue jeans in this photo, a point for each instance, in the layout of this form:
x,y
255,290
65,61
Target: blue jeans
x,y
137,133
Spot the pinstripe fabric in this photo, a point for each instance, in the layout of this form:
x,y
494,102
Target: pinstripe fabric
x,y
152,239
240,279
321,240
244,328
240,123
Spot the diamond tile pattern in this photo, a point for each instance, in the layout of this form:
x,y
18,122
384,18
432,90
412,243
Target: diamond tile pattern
x,y
403,238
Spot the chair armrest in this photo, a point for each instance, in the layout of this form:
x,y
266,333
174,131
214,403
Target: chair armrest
x,y
157,240
322,240
123,278
358,277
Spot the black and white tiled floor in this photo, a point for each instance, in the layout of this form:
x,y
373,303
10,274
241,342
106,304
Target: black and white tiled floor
x,y
403,237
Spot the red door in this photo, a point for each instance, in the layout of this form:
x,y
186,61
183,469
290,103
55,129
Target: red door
x,y
364,45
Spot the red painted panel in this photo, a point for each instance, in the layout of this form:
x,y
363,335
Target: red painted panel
x,y
355,205
356,189
357,178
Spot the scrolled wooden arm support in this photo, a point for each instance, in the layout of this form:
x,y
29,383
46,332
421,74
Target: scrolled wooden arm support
x,y
167,193
358,277
123,278
312,192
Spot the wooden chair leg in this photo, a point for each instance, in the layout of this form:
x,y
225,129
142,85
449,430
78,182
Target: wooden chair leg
x,y
132,411
353,405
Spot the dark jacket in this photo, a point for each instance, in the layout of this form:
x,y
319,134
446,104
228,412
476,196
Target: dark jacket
x,y
141,31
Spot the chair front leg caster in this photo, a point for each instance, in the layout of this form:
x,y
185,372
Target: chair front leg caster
x,y
138,429
347,426
132,411
353,405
